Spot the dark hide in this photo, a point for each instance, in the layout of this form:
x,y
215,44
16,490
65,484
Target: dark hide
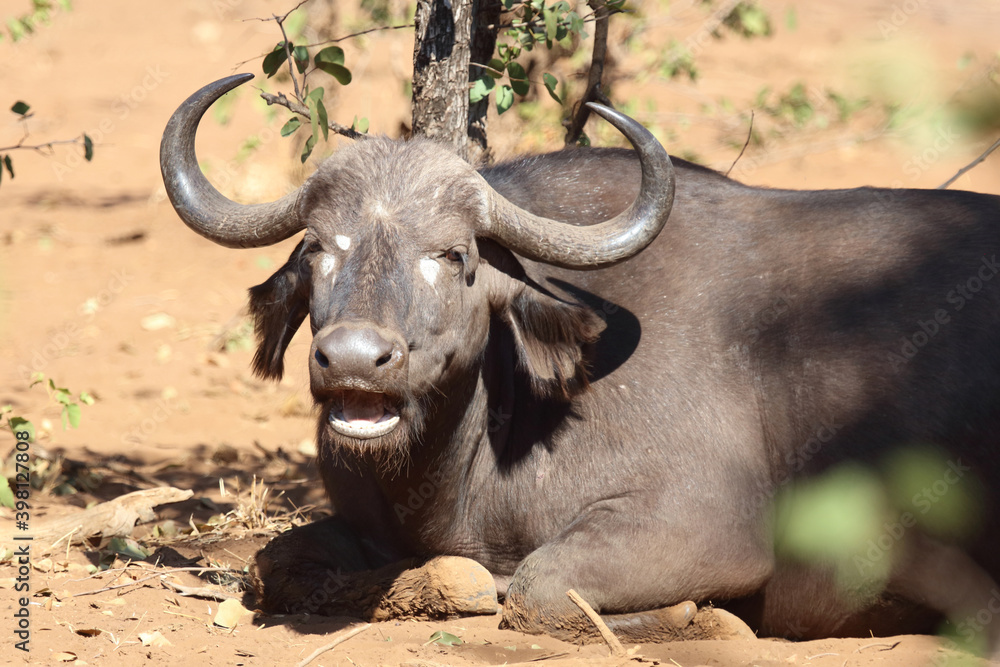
x,y
765,338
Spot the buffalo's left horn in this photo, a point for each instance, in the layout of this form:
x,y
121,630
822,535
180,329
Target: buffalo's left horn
x,y
594,246
203,208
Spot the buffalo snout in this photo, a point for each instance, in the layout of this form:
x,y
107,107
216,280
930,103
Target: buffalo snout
x,y
357,355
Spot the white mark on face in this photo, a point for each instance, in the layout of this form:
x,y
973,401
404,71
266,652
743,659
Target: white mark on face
x,y
343,242
328,266
429,270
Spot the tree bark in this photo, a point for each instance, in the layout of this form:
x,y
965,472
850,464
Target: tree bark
x,y
441,71
486,15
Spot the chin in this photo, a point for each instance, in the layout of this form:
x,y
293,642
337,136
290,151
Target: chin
x,y
357,427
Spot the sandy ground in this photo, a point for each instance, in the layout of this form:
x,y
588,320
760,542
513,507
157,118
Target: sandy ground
x,y
102,289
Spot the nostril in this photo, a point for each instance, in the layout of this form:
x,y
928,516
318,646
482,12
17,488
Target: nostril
x,y
384,359
322,360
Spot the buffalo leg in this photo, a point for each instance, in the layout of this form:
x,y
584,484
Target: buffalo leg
x,y
316,568
618,566
323,568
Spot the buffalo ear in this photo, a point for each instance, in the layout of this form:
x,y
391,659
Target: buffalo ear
x,y
278,307
551,335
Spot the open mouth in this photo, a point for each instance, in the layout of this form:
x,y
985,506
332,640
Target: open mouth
x,y
362,414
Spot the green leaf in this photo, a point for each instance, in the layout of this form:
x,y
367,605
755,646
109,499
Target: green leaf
x,y
331,54
20,108
6,493
481,88
274,60
88,148
308,148
324,121
36,378
505,98
331,61
128,548
518,79
71,414
550,85
495,64
86,398
445,638
360,125
551,25
22,424
301,56
290,127
755,21
317,111
791,19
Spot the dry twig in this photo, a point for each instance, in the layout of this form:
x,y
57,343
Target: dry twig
x,y
986,154
745,144
616,646
301,110
339,640
200,592
888,647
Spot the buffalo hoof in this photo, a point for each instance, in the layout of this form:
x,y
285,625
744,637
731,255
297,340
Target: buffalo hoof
x,y
295,574
679,622
728,625
444,586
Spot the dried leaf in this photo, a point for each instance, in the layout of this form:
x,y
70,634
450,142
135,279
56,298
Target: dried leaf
x,y
154,639
229,614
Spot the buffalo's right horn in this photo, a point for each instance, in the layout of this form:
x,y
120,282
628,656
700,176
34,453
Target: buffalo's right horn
x,y
203,208
603,244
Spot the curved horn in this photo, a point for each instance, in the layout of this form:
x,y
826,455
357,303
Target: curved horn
x,y
203,208
600,245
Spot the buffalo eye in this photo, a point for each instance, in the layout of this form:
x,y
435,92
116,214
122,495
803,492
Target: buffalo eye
x,y
310,246
457,255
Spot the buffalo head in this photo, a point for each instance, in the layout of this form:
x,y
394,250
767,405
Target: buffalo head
x,y
407,261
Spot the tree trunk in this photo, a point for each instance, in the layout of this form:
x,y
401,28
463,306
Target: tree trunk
x,y
441,71
484,43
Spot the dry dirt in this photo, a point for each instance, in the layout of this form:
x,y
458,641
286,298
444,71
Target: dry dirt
x,y
102,289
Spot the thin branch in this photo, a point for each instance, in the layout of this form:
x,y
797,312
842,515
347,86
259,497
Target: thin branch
x,y
364,32
330,41
339,640
499,73
745,144
300,110
594,94
44,149
126,585
170,570
288,51
986,154
199,592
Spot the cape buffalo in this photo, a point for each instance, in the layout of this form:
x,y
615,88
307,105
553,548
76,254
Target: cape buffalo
x,y
501,374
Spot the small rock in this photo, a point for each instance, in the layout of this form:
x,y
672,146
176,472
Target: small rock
x,y
157,322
